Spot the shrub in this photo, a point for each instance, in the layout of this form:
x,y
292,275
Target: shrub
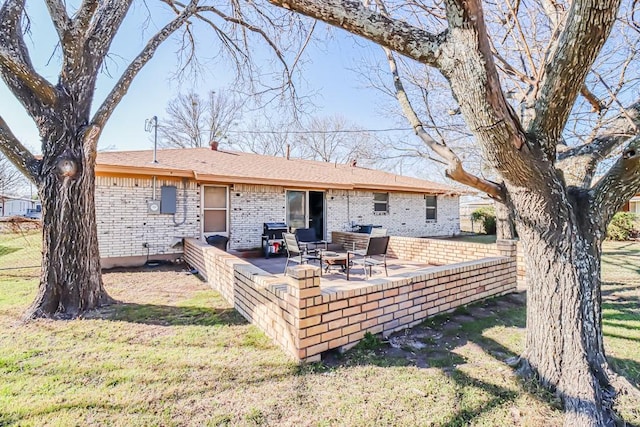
x,y
487,216
623,225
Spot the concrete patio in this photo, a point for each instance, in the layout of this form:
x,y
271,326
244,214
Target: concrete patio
x,y
336,279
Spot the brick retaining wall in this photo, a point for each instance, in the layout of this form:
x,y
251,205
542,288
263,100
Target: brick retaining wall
x,y
305,320
429,251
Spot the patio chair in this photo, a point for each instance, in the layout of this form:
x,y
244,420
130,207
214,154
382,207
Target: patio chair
x,y
307,240
374,254
378,232
296,253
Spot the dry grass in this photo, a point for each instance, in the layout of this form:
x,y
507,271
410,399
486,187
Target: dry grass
x,y
174,353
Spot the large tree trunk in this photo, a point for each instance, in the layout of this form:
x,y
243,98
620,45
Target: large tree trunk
x,y
564,347
70,281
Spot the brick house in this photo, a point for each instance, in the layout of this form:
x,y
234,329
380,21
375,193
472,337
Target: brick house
x,y
145,209
632,205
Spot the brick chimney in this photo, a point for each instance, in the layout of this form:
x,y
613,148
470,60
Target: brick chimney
x,y
214,145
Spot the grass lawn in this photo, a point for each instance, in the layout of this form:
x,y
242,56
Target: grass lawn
x,y
20,250
174,353
474,238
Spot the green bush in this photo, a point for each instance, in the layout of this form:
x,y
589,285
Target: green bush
x,y
487,216
623,225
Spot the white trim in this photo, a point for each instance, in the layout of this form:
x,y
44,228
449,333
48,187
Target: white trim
x,y
202,209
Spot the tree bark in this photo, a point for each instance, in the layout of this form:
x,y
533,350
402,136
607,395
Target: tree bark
x,y
505,222
564,346
70,282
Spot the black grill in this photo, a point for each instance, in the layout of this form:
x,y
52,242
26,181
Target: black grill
x,y
274,230
272,242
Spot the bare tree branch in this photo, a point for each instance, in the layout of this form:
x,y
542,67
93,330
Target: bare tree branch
x,y
254,29
617,186
352,16
20,156
596,104
565,72
102,28
455,170
620,129
59,17
579,163
120,89
84,14
11,179
15,64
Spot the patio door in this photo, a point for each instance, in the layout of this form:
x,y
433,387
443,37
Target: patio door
x,y
305,209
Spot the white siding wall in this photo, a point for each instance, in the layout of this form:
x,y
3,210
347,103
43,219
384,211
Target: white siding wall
x,y
16,207
124,223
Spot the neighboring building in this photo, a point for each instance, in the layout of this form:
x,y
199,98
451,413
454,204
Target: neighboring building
x,y
19,206
144,209
633,205
468,205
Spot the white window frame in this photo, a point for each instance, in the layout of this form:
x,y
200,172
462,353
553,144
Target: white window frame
x,y
203,209
431,208
379,202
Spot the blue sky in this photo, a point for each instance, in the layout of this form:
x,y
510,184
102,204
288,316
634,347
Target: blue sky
x,y
328,76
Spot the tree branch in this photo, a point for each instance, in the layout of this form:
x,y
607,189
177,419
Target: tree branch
x,y
454,170
120,89
17,153
253,29
588,25
59,17
617,186
100,32
580,163
352,16
625,125
596,104
84,14
15,64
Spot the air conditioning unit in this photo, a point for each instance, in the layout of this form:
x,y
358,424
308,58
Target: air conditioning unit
x,y
153,206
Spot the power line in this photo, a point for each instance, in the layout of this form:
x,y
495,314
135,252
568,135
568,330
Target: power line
x,y
319,131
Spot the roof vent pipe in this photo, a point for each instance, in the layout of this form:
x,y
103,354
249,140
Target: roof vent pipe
x,y
149,124
288,151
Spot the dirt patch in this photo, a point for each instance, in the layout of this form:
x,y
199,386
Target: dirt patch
x,y
437,341
19,224
167,283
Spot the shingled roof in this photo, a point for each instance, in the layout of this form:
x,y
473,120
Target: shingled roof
x,y
229,167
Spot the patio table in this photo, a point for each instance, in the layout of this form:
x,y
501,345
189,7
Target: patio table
x,y
332,259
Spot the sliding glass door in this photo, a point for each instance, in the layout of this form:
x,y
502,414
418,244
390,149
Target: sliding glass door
x,y
305,209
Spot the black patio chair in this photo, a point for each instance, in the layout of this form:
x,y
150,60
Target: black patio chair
x,y
374,254
307,240
296,253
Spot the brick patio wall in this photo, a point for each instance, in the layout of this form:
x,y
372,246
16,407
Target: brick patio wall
x,y
306,320
432,251
521,265
429,251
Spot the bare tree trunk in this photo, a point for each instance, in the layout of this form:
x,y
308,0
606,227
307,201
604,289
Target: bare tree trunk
x,y
564,347
70,282
505,222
